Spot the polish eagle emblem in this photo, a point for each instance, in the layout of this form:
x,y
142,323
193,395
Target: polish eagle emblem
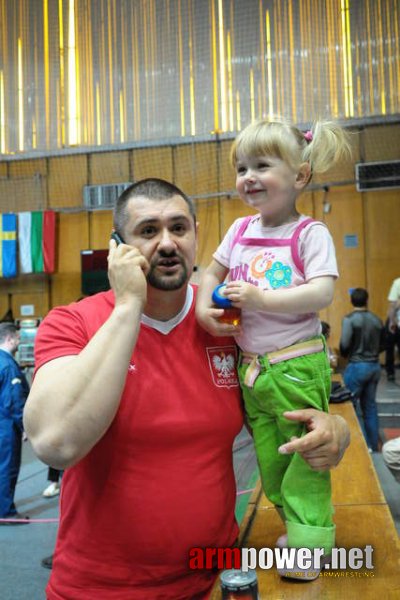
x,y
224,364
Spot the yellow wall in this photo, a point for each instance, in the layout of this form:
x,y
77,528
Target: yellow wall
x,y
203,171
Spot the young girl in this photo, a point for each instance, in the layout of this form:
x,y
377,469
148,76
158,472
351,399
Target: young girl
x,y
281,269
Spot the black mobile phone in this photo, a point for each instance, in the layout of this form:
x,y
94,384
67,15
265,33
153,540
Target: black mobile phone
x,y
115,236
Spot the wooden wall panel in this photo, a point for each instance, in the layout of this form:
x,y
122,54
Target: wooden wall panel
x,y
305,204
73,237
66,177
381,143
4,304
382,217
227,172
196,168
25,289
100,226
152,162
39,300
4,169
208,236
65,288
28,168
109,167
22,283
345,218
27,193
380,280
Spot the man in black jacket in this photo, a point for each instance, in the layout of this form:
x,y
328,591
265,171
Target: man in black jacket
x,y
361,342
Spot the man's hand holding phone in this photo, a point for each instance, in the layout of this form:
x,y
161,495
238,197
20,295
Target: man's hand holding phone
x,y
117,238
127,268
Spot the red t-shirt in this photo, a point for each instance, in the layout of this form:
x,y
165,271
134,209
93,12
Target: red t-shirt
x,y
161,479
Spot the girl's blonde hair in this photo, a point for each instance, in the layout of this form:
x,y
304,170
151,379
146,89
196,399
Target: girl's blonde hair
x,y
323,146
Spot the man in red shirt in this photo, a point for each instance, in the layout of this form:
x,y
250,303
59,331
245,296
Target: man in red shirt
x,y
141,406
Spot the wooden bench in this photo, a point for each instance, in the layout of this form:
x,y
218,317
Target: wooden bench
x,y
362,519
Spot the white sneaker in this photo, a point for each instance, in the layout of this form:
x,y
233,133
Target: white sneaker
x,y
52,490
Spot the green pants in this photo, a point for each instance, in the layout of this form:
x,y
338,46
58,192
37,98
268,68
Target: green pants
x,y
288,481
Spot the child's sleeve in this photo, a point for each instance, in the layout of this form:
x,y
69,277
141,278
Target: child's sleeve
x,y
318,252
223,252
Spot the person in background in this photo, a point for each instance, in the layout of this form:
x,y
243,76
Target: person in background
x,y
53,475
141,406
393,329
332,356
53,489
391,456
14,390
362,339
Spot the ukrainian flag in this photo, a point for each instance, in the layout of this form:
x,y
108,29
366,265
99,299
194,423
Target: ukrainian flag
x,y
8,245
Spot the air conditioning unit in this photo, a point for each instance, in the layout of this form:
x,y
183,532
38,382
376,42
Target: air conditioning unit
x,y
102,196
378,175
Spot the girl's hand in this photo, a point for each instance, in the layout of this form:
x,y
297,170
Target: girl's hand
x,y
208,319
245,295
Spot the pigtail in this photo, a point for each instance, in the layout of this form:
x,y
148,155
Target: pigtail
x,y
326,144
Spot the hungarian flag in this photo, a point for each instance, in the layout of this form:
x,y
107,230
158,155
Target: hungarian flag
x,y
37,237
8,245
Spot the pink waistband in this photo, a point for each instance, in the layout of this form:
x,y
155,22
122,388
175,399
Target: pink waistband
x,y
294,351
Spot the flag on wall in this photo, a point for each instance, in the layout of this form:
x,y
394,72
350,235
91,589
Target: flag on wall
x,y
8,245
36,237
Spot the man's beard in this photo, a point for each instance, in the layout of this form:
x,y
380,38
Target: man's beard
x,y
167,282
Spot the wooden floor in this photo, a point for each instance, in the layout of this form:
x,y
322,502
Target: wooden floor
x,y
362,519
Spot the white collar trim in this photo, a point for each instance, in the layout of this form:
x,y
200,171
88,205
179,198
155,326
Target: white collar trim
x,y
166,327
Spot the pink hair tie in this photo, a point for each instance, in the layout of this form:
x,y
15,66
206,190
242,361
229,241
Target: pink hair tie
x,y
308,136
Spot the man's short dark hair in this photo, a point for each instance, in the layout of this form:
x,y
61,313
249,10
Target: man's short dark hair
x,y
7,329
153,189
359,297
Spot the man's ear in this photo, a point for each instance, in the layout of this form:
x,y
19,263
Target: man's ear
x,y
303,175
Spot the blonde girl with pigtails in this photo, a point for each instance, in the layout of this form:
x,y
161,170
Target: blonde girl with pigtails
x,y
280,268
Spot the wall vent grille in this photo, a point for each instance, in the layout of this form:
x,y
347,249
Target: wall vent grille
x,y
378,175
102,196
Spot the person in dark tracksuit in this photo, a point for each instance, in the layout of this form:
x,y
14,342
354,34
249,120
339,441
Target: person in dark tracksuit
x,y
362,339
14,391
